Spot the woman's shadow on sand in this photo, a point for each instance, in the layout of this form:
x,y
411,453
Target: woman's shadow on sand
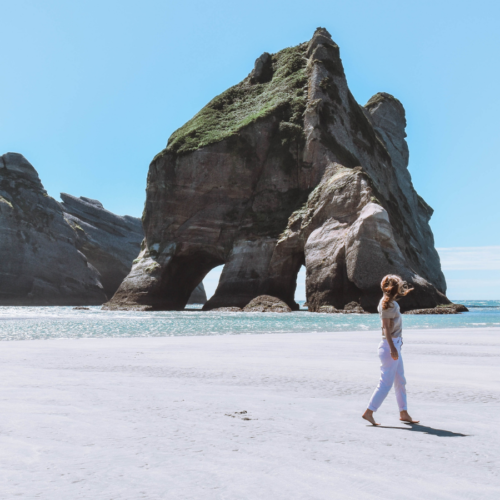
x,y
425,430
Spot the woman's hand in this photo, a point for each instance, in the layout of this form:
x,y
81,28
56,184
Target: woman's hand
x,y
394,354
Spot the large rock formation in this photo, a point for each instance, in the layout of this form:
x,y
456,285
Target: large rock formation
x,y
281,170
39,261
69,253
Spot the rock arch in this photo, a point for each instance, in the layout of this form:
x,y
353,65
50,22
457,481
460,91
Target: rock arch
x,y
279,171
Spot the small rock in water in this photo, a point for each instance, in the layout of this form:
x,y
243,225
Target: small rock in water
x,y
80,308
353,307
459,308
329,310
266,303
444,309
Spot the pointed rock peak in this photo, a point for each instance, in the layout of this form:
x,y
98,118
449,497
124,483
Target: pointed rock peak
x,y
320,37
263,69
17,163
323,32
383,99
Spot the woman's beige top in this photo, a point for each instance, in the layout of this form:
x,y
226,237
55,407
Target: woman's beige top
x,y
393,313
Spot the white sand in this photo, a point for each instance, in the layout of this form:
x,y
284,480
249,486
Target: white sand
x,y
155,418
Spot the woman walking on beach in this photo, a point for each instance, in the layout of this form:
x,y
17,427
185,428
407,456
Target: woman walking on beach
x,y
389,350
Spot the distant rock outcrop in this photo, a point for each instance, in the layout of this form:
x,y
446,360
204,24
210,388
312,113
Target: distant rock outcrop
x,y
110,242
447,309
198,296
39,260
70,253
282,170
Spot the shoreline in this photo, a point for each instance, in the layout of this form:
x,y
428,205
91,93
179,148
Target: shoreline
x,y
373,332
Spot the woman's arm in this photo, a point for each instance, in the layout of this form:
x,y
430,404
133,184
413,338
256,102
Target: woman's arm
x,y
387,325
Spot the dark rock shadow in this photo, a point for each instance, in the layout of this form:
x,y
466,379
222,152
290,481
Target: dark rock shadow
x,y
425,430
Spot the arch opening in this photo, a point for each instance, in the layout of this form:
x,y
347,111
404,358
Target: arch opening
x,y
283,276
211,281
300,288
180,277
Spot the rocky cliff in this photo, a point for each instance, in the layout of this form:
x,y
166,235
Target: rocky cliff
x,y
39,261
110,242
281,170
70,253
198,296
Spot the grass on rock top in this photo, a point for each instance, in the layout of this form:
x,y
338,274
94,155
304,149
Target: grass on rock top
x,y
245,103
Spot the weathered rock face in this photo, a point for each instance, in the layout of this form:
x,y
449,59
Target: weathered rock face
x,y
286,169
110,242
198,296
349,245
60,254
39,261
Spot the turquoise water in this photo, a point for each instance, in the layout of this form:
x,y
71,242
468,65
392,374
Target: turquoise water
x,y
22,323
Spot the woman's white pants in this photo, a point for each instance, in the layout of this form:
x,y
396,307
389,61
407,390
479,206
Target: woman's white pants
x,y
391,372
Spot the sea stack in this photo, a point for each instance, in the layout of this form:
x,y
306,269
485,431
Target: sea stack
x,y
39,261
70,253
282,170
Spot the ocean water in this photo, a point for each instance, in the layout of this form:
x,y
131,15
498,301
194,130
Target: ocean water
x,y
22,323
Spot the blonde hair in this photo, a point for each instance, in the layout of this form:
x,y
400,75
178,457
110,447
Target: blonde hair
x,y
393,286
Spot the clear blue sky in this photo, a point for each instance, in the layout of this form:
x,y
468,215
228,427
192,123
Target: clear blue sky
x,y
91,91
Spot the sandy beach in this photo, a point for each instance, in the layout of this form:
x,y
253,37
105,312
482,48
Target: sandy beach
x,y
248,417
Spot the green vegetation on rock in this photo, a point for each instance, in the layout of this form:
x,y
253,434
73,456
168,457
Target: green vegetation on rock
x,y
154,266
246,103
381,97
73,225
